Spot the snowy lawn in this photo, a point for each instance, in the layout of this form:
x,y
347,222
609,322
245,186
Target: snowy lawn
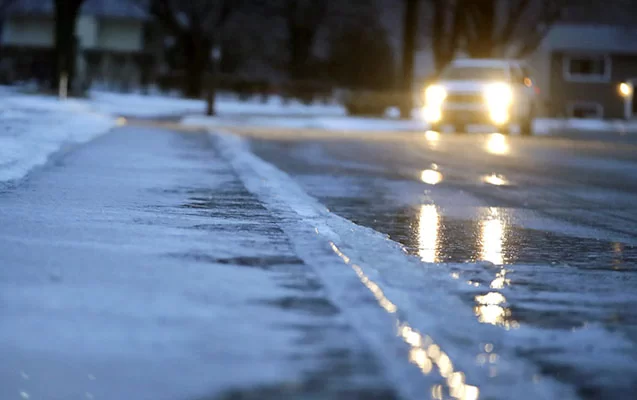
x,y
542,126
330,123
545,126
32,128
148,106
294,115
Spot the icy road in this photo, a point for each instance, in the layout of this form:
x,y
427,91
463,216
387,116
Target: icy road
x,y
153,263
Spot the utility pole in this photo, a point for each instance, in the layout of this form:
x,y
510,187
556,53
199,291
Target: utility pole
x,y
410,29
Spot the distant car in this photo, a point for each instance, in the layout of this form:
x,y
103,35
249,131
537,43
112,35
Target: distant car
x,y
473,91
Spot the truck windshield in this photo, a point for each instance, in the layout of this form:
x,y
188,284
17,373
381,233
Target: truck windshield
x,y
474,73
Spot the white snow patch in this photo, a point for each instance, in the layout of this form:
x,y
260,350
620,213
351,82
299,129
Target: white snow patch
x,y
415,299
547,126
320,122
138,105
32,128
148,106
337,120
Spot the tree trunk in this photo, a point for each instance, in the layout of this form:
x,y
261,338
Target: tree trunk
x,y
211,108
65,52
193,85
410,28
301,41
482,20
196,52
444,33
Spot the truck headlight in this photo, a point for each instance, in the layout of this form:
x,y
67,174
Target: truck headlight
x,y
498,96
432,114
435,95
499,116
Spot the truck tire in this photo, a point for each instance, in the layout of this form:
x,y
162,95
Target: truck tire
x,y
526,125
435,127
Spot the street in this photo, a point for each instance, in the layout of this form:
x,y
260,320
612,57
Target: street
x,y
555,218
163,262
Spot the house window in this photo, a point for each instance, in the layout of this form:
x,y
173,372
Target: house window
x,y
587,68
585,110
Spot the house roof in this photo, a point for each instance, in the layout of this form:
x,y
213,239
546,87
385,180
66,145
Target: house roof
x,y
601,12
98,8
592,38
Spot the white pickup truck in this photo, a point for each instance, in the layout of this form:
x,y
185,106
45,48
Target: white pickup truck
x,y
473,91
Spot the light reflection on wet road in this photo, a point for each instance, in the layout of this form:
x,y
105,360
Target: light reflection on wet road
x,y
428,227
542,231
423,352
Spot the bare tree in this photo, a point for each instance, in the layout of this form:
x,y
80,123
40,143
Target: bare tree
x,y
196,27
361,55
547,13
310,25
507,28
5,5
66,13
410,28
303,19
446,26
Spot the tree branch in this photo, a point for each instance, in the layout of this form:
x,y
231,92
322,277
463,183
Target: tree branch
x,y
516,12
446,26
164,11
5,5
226,11
550,14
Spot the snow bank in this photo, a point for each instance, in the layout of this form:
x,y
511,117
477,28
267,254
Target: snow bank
x,y
325,122
137,105
32,128
547,126
542,126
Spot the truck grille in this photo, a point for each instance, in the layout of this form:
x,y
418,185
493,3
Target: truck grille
x,y
465,98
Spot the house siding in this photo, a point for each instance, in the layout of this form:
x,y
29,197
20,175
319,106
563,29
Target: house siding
x,y
123,35
87,29
111,50
565,92
120,35
36,31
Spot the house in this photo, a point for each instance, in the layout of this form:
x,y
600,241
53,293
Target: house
x,y
110,36
579,64
583,60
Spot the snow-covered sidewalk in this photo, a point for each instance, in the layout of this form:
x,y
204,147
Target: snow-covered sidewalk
x,y
32,128
144,269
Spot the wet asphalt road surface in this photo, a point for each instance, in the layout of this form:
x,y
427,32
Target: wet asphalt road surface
x,y
542,230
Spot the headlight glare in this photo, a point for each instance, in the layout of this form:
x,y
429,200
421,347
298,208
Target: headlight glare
x,y
498,95
435,95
